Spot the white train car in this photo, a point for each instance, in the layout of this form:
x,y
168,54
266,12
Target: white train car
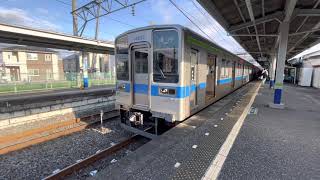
x,y
167,73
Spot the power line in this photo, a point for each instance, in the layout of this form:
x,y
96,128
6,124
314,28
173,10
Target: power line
x,y
175,5
116,20
204,15
65,3
121,22
218,31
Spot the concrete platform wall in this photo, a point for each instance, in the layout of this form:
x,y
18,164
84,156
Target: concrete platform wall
x,y
57,108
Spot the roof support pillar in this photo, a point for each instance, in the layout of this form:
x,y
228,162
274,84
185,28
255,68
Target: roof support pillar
x,y
85,69
280,64
272,69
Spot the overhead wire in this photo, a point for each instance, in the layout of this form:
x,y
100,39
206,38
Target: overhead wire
x,y
194,4
185,14
62,2
236,46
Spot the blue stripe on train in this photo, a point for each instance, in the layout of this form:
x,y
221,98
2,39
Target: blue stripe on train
x,y
181,91
225,81
140,88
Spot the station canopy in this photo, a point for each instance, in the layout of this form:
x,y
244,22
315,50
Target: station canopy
x,y
255,24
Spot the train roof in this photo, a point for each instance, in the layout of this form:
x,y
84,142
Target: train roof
x,y
177,26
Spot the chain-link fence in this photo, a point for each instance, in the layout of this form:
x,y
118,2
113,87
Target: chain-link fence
x,y
19,83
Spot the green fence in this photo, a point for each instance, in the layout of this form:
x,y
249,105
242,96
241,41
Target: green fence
x,y
67,81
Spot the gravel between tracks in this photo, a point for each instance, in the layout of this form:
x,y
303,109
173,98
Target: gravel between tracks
x,y
39,161
103,163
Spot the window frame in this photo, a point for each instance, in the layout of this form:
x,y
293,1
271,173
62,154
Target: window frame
x,y
178,54
118,55
46,59
34,59
223,69
33,74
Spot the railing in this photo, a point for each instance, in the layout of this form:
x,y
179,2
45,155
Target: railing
x,y
27,83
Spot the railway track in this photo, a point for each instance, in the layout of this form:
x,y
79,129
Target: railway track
x,y
18,141
98,156
92,159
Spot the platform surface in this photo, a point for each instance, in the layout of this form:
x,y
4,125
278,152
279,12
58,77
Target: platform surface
x,y
172,156
278,144
272,143
48,93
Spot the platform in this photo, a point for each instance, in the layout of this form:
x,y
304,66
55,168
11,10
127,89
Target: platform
x,y
272,143
191,146
278,144
38,96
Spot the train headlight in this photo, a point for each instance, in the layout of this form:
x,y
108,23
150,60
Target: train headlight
x,y
167,91
121,87
164,90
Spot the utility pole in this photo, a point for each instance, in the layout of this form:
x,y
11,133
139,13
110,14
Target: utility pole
x,y
74,18
95,59
97,21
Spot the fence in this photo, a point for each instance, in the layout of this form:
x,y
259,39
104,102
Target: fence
x,y
24,83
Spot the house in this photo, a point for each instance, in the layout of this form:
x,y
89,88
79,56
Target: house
x,y
97,63
28,63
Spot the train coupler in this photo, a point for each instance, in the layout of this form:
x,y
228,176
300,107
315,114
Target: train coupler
x,y
136,118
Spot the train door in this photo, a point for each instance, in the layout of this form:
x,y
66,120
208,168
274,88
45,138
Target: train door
x,y
140,68
194,79
233,74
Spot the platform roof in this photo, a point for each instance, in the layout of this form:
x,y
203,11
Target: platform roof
x,y
255,23
40,38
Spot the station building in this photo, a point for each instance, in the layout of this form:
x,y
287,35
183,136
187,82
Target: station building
x,y
307,69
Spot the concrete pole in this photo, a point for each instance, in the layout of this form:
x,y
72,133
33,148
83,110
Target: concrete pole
x,y
97,22
74,18
94,58
272,70
282,53
85,70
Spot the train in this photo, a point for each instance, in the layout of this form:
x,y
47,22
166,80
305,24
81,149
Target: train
x,y
167,73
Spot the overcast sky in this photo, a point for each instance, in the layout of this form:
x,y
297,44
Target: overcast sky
x,y
55,15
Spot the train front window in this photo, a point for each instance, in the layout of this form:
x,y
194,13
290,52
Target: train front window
x,y
122,57
165,56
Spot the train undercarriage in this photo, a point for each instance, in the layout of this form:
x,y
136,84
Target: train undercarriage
x,y
143,123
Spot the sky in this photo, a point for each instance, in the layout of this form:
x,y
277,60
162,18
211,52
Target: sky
x,y
54,15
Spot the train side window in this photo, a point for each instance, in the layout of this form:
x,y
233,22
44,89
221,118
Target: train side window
x,y
211,64
223,69
228,69
239,69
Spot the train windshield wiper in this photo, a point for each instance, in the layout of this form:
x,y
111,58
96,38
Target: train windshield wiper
x,y
162,74
160,70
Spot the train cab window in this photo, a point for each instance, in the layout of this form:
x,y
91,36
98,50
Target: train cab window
x,y
122,57
165,56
